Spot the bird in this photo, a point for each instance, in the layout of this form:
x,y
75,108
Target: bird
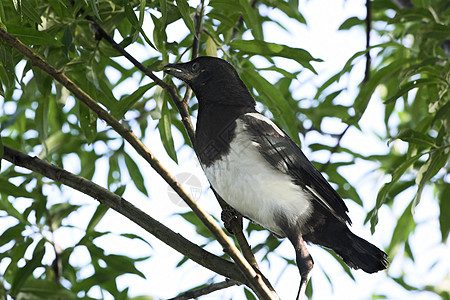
x,y
262,173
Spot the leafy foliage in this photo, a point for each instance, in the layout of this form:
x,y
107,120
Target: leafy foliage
x,y
411,72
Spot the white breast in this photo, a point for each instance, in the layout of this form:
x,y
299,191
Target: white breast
x,y
248,183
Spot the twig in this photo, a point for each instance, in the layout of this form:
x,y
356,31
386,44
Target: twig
x,y
122,206
206,290
181,106
368,30
335,148
255,281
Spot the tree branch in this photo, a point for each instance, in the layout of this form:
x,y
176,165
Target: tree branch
x,y
125,208
368,30
206,290
255,281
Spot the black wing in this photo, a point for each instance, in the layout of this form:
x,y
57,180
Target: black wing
x,y
285,155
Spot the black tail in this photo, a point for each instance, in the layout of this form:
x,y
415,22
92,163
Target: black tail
x,y
358,253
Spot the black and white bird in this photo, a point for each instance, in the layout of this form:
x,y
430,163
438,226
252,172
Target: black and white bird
x,y
261,173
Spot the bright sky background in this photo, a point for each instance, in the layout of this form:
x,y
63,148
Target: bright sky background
x,y
322,40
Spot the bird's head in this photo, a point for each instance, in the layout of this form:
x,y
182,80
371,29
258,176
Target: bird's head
x,y
213,80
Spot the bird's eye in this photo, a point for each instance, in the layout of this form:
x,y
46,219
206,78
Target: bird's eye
x,y
195,67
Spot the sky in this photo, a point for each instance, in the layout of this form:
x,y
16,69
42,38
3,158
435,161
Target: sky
x,y
322,40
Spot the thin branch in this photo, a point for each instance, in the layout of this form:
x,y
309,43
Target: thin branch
x,y
125,208
335,149
206,290
368,30
256,283
181,106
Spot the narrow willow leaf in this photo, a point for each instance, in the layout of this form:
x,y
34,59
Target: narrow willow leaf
x,y
32,36
184,9
6,60
435,162
88,122
135,174
163,7
93,5
444,208
405,225
211,48
41,118
29,11
22,274
271,49
67,41
250,15
96,218
165,131
131,16
365,94
127,102
383,193
412,85
351,22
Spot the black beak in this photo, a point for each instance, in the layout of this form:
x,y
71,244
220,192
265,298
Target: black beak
x,y
179,71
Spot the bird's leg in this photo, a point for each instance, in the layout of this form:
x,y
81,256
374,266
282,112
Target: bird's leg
x,y
304,260
227,216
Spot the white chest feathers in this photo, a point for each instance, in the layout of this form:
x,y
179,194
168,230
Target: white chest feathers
x,y
248,183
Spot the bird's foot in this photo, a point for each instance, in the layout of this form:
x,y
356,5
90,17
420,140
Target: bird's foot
x,y
229,216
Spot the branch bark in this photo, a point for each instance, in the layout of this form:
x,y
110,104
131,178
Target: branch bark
x,y
255,281
206,290
125,208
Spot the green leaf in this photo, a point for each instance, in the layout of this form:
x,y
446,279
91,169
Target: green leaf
x,y
135,236
41,121
45,289
29,10
270,49
366,92
405,225
184,9
127,102
97,216
131,16
382,194
88,122
67,41
211,48
93,5
412,136
444,208
22,274
7,61
351,22
165,124
135,174
251,16
32,36
10,189
13,233
412,85
437,160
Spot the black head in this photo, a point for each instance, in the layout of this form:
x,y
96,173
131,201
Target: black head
x,y
213,80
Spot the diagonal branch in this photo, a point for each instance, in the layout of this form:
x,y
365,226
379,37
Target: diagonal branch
x,y
125,208
255,280
206,290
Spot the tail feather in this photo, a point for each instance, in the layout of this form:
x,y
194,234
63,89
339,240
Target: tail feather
x,y
358,253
